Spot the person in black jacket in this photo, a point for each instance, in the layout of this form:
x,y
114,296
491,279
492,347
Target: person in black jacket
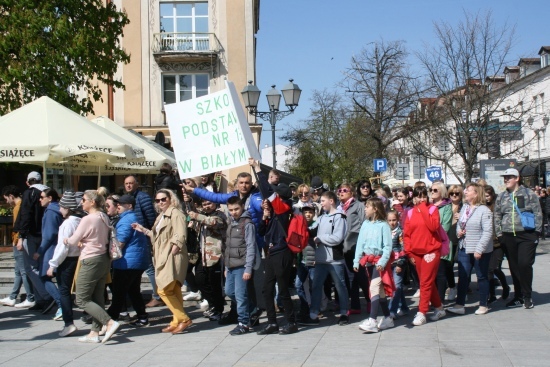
x,y
166,180
29,227
278,265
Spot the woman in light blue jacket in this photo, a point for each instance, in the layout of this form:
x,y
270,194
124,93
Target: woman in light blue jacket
x,y
475,245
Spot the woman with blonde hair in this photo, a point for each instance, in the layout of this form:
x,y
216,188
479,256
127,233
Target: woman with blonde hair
x,y
168,236
455,194
304,198
93,236
475,246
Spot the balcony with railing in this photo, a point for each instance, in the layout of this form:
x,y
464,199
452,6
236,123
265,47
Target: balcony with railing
x,y
192,47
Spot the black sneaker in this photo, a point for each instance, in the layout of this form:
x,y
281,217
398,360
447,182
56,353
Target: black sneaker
x,y
309,321
124,316
48,307
528,303
215,316
344,320
228,319
269,329
515,302
240,330
139,323
289,328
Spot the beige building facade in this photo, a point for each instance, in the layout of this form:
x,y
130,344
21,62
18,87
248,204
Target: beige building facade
x,y
181,50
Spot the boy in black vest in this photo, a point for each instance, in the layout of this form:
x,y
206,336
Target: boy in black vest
x,y
239,255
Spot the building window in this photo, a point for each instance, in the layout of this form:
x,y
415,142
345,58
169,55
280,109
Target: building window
x,y
185,24
182,87
544,60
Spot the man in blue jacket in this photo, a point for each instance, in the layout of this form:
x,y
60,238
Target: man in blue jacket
x,y
252,199
145,215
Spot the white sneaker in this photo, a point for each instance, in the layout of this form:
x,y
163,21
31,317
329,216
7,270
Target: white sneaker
x,y
184,289
482,310
438,314
419,319
456,309
416,294
7,302
369,325
203,306
68,330
192,296
25,304
385,323
452,294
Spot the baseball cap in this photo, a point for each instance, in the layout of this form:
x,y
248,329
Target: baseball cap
x,y
34,175
293,185
126,199
511,172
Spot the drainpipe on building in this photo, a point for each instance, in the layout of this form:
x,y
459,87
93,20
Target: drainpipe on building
x,y
110,91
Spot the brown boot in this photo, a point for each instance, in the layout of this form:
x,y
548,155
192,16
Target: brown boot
x,y
182,326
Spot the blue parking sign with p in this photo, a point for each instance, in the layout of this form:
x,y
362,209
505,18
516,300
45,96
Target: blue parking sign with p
x,y
380,164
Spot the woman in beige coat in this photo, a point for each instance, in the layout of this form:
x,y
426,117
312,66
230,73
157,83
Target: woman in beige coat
x,y
168,237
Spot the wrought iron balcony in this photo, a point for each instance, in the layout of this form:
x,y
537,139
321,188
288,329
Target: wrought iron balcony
x,y
178,46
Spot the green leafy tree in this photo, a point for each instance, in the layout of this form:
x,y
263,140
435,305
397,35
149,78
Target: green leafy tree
x,y
63,49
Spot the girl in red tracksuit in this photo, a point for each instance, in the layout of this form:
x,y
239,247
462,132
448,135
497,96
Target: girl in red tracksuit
x,y
423,246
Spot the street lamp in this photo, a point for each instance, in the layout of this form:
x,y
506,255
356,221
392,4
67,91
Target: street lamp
x,y
291,95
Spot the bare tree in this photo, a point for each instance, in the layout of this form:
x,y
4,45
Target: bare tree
x,y
475,112
383,92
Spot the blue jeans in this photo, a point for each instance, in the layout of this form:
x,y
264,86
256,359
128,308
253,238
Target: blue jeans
x,y
465,264
236,289
302,274
150,271
337,273
31,268
398,300
20,276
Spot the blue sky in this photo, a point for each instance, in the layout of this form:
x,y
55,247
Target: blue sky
x,y
313,41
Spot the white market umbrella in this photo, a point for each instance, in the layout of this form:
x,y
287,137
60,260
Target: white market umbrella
x,y
154,154
45,131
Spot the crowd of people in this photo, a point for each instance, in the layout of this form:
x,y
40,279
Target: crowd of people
x,y
360,239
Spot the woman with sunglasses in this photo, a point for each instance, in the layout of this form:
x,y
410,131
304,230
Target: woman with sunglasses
x,y
445,275
423,247
475,245
169,235
51,221
355,216
92,235
304,199
364,191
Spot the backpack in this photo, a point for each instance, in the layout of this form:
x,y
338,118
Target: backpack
x,y
442,234
298,234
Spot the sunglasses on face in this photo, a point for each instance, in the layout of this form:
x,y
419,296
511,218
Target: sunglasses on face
x,y
454,194
83,200
343,191
304,194
434,190
365,187
161,200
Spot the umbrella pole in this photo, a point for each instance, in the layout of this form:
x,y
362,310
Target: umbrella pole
x,y
98,177
44,177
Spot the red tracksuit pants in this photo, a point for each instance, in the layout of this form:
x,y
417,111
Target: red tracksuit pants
x,y
426,267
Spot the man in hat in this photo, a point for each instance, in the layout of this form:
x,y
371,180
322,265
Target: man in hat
x,y
29,229
317,188
518,241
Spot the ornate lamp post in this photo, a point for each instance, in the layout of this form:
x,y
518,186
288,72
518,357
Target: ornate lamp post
x,y
291,95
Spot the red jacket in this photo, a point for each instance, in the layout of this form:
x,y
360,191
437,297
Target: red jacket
x,y
419,232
